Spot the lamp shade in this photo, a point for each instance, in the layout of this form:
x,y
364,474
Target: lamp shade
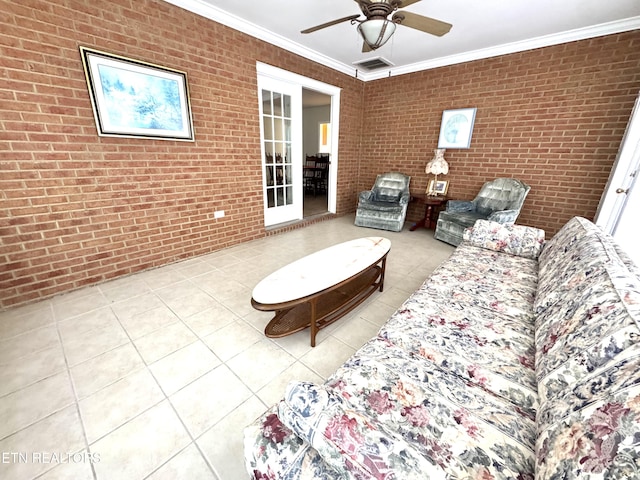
x,y
376,31
437,165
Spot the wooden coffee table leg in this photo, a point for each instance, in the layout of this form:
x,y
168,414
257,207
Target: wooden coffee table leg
x,y
384,264
314,325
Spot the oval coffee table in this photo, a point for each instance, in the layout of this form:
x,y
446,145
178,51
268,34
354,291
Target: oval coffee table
x,y
320,288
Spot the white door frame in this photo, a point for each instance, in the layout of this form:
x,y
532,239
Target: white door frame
x,y
622,178
268,71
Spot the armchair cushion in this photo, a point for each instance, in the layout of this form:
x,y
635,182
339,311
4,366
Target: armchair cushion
x,y
460,206
389,187
391,195
465,219
504,216
374,206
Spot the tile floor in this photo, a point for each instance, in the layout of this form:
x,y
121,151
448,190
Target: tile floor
x,y
154,376
314,205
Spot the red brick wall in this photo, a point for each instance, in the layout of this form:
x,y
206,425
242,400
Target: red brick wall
x,y
77,209
552,117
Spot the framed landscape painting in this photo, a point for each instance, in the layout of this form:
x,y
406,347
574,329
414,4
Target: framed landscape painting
x,y
137,99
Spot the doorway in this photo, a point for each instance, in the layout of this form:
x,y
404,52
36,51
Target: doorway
x,y
316,145
282,136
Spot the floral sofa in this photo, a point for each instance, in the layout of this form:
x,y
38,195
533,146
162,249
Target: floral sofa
x,y
517,359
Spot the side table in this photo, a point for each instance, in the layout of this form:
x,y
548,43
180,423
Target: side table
x,y
432,205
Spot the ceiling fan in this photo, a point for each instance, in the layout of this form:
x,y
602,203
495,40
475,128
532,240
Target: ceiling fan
x,y
377,28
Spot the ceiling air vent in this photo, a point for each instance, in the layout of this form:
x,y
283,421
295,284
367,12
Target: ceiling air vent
x,y
371,64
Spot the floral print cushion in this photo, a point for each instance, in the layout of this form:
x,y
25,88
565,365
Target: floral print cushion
x,y
598,441
588,330
616,376
627,261
382,392
475,278
513,239
482,263
562,241
557,289
492,352
347,440
399,381
588,367
559,278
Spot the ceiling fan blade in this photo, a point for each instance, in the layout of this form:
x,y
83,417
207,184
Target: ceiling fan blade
x,y
424,24
329,24
406,3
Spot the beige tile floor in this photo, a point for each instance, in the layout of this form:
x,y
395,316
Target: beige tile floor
x,y
154,376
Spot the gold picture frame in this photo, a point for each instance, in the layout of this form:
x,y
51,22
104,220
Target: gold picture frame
x,y
438,188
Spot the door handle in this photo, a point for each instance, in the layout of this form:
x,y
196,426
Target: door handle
x,y
622,190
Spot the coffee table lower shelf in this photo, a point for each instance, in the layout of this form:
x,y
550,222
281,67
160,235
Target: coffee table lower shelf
x,y
324,308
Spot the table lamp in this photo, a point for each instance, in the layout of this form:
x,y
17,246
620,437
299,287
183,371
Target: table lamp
x,y
436,166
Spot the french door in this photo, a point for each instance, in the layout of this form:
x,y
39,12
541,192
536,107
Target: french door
x,y
281,136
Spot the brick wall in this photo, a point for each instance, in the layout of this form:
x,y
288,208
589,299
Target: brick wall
x,y
77,209
552,117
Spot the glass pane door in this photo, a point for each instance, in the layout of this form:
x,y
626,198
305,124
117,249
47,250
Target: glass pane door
x,y
281,116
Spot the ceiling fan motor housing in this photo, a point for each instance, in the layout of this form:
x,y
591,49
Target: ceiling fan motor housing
x,y
378,9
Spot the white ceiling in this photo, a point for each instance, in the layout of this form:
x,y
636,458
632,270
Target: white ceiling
x,y
481,28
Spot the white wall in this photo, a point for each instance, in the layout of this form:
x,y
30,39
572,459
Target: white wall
x,y
312,117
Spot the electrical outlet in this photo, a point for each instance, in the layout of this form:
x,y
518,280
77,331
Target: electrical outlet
x,y
218,214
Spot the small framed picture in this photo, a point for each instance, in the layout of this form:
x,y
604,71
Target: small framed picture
x,y
439,187
456,128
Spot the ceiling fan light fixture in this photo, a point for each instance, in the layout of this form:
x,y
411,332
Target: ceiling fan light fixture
x,y
376,31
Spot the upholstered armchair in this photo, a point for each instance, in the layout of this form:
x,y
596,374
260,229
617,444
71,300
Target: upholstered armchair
x,y
385,205
499,201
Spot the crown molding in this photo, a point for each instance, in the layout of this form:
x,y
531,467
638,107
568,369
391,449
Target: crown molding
x,y
206,10
609,28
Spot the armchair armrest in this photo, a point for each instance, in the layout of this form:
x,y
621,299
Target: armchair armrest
x,y
504,216
404,199
365,196
460,206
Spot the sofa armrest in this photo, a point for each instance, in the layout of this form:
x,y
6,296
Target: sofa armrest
x,y
460,206
516,240
345,439
271,448
504,216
